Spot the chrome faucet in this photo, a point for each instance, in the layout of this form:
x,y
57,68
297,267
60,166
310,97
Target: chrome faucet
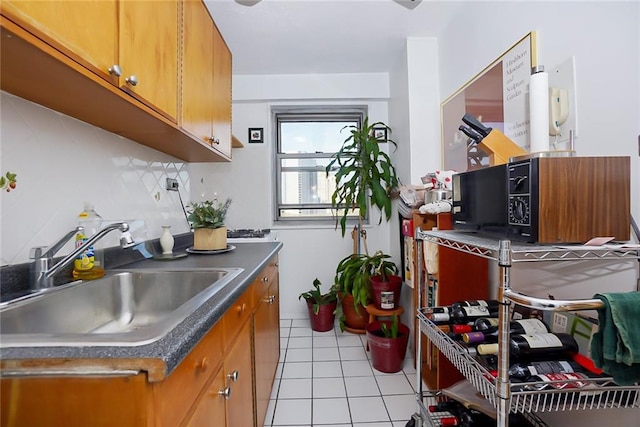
x,y
42,274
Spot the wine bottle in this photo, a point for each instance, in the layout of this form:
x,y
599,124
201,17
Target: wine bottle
x,y
490,304
531,345
485,323
445,405
462,329
462,314
521,326
525,370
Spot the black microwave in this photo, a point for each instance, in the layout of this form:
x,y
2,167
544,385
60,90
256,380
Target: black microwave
x,y
546,199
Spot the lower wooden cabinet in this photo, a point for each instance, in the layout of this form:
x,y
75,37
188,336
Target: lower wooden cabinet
x,y
225,381
210,410
266,332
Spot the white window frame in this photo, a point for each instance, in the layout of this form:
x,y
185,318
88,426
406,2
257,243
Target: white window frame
x,y
306,113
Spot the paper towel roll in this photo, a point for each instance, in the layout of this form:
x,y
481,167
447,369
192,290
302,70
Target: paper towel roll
x,y
538,110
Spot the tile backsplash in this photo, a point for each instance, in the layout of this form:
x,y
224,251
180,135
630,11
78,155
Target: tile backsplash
x,y
61,162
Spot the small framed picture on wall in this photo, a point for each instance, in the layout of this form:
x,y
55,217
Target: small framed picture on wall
x,y
256,135
380,134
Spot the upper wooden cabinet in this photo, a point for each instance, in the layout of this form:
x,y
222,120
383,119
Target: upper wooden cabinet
x,y
132,44
86,31
148,52
206,79
116,64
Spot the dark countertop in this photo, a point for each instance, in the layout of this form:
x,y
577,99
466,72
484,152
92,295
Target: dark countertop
x,y
164,355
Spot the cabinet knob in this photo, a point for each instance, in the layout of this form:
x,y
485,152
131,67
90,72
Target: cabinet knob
x,y
132,80
265,279
202,364
213,140
226,393
241,308
115,70
233,376
270,299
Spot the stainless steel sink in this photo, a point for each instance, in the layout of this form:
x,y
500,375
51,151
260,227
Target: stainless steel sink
x,y
124,308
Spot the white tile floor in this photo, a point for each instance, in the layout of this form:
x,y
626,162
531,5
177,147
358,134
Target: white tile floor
x,y
326,379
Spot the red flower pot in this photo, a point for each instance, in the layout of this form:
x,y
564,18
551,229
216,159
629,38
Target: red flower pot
x,y
387,354
324,320
386,295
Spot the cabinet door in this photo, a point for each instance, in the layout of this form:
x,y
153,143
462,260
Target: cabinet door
x,y
238,360
266,331
86,31
149,52
197,71
221,101
210,410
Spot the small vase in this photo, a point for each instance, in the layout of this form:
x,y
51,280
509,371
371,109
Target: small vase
x,y
166,240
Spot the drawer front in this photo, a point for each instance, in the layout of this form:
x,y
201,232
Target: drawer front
x,y
266,277
176,395
236,316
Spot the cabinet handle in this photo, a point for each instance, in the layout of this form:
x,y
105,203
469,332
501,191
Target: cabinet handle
x,y
132,80
202,365
226,393
277,264
115,70
241,308
265,279
233,376
270,299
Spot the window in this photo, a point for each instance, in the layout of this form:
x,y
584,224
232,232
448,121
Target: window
x,y
306,141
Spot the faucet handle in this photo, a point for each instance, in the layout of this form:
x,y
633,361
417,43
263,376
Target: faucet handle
x,y
36,253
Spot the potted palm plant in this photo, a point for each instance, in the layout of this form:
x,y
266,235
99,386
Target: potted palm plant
x,y
364,175
388,341
207,220
321,307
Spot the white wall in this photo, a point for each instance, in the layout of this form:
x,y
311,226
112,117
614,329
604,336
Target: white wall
x,y
62,162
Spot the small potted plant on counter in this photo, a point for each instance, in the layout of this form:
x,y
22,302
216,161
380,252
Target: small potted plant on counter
x,y
321,307
388,341
207,220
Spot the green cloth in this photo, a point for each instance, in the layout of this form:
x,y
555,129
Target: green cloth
x,y
615,348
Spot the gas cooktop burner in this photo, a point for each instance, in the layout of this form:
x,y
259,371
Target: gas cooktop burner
x,y
247,233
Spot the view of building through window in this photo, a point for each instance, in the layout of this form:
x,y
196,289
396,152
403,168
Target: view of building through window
x,y
305,144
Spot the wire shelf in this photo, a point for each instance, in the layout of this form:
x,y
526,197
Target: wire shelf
x,y
488,247
592,393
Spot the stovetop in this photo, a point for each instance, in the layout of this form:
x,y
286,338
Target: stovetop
x,y
246,233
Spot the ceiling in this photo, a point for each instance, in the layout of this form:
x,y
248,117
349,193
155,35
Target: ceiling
x,y
324,36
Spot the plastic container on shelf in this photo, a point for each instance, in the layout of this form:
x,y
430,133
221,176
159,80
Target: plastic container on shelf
x,y
90,263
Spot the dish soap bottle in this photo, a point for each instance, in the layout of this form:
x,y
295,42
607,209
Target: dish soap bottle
x,y
89,264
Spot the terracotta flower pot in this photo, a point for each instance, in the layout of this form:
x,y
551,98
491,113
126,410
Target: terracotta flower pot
x,y
324,320
386,295
356,320
387,354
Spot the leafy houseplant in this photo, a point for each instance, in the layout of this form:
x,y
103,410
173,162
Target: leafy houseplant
x,y
321,307
207,220
364,174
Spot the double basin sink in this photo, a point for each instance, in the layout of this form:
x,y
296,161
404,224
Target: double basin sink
x,y
124,308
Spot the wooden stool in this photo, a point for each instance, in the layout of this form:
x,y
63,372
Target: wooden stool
x,y
375,312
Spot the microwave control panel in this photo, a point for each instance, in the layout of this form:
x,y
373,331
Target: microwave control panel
x,y
521,206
